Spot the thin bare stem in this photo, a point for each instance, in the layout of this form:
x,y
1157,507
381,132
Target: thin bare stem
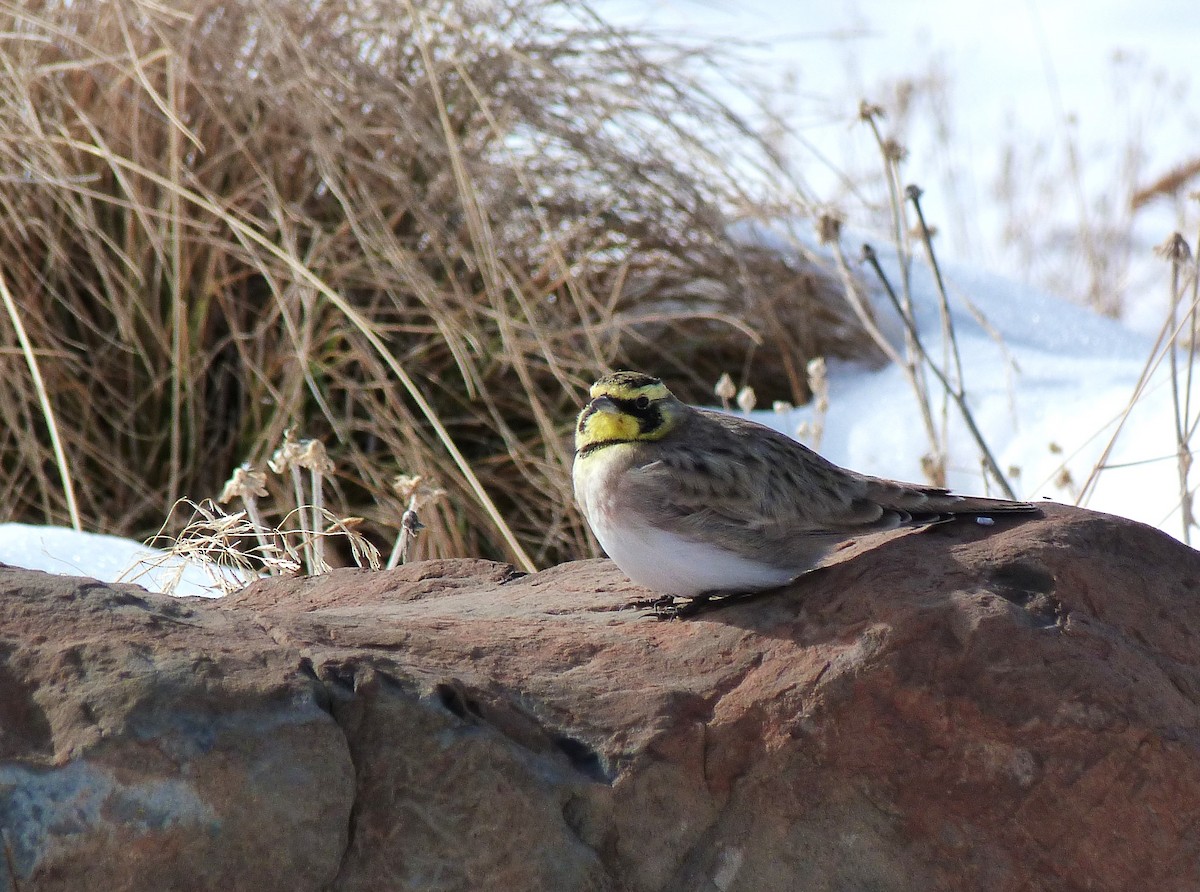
x,y
1162,345
318,512
180,348
1177,252
893,153
954,393
949,337
867,319
306,537
35,372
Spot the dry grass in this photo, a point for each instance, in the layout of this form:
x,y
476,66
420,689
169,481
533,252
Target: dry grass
x,y
1105,288
414,232
1072,205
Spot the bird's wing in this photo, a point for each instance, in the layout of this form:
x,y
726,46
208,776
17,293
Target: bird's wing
x,y
763,493
758,492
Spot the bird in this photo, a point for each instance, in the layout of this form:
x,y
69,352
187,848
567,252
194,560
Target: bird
x,y
694,503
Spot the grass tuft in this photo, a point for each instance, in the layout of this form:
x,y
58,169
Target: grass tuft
x,y
415,231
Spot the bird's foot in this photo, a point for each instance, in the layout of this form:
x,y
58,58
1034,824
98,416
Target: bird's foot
x,y
670,607
665,606
682,609
662,602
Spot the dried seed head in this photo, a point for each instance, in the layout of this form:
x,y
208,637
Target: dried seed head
x,y
415,491
245,483
868,110
312,455
934,468
746,399
894,150
725,388
405,485
410,522
829,227
1175,249
816,370
781,407
286,455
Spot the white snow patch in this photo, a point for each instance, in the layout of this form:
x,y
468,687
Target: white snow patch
x,y
102,557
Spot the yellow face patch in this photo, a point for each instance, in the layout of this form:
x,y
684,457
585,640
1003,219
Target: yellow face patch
x,y
626,407
604,422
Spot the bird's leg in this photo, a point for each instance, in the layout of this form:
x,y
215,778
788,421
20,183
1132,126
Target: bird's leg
x,y
716,600
693,606
669,606
655,605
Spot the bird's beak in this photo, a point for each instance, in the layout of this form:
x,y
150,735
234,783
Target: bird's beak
x,y
600,404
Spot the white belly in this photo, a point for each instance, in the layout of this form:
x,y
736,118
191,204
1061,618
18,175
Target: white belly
x,y
673,565
664,561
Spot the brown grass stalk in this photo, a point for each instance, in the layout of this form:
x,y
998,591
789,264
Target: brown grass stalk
x,y
47,410
953,389
414,231
1164,348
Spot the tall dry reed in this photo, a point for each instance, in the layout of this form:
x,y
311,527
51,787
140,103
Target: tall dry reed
x,y
415,232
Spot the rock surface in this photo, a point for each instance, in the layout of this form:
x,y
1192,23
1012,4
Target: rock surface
x,y
1004,708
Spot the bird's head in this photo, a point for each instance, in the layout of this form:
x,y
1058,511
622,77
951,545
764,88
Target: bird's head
x,y
627,407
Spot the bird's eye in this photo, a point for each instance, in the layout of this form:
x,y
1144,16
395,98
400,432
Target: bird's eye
x,y
642,402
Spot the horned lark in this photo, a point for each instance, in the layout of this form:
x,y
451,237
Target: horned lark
x,y
693,502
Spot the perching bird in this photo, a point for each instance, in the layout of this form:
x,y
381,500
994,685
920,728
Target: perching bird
x,y
693,502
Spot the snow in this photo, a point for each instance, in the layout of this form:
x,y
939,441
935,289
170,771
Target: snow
x,y
106,558
1046,381
1029,121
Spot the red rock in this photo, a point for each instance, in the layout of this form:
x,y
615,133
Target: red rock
x,y
151,743
1003,708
